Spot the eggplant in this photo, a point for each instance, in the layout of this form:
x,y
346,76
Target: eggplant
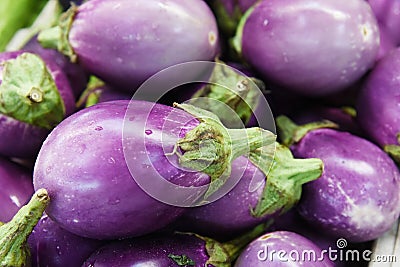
x,y
14,250
314,48
50,245
135,39
262,194
16,188
172,249
282,248
378,104
131,166
36,96
387,14
358,195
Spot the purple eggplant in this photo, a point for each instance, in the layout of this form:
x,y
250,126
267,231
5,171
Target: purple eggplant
x,y
36,96
358,195
311,47
16,188
77,77
14,250
172,249
282,248
50,245
132,40
378,104
261,195
95,182
387,13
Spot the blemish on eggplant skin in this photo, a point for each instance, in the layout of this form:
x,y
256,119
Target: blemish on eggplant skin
x,y
212,38
148,132
98,128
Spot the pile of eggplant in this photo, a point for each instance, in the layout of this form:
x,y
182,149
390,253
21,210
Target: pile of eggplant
x,y
199,133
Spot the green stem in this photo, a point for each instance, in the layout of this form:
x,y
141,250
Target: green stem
x,y
285,178
224,254
90,96
14,251
210,147
236,41
229,92
57,37
290,133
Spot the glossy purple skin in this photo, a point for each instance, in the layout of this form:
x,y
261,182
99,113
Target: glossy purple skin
x,y
259,252
93,192
16,188
126,42
20,139
229,216
77,77
388,14
358,195
50,245
150,251
311,47
378,102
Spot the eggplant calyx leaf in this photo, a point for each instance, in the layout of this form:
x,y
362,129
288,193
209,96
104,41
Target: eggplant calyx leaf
x,y
291,133
58,36
29,94
210,147
236,41
229,90
182,260
14,250
91,94
227,21
284,180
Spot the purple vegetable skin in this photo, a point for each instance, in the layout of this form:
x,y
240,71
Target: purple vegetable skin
x,y
378,104
77,77
152,251
24,130
93,191
358,195
386,43
281,248
388,14
50,245
136,39
16,188
311,47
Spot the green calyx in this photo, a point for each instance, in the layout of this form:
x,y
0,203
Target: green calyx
x,y
58,36
285,178
14,251
91,95
290,133
394,150
29,94
181,260
229,90
236,41
210,147
223,254
227,21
